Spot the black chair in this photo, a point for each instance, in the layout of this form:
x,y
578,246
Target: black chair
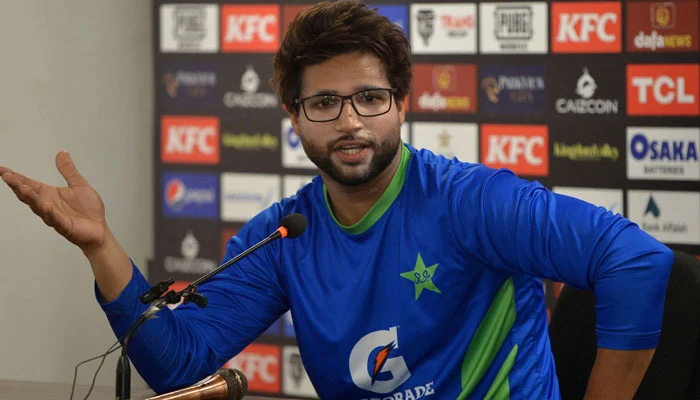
x,y
674,372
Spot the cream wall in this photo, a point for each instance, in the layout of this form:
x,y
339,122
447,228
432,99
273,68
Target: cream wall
x,y
74,75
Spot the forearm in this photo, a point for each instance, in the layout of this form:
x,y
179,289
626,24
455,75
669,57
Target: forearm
x,y
111,267
617,374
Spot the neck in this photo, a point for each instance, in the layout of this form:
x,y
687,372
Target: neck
x,y
350,203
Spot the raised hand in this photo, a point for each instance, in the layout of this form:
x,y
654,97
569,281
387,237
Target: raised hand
x,y
75,211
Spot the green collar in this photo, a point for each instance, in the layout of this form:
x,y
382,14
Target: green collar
x,y
383,203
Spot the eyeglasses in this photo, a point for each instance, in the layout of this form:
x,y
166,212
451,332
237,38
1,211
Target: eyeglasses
x,y
327,107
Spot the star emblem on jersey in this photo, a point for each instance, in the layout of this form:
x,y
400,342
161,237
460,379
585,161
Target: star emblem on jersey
x,y
422,277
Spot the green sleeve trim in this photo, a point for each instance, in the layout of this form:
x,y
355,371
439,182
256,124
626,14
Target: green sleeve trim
x,y
500,388
489,339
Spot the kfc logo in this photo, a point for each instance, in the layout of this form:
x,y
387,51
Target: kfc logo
x,y
250,28
663,89
190,140
260,363
586,27
521,148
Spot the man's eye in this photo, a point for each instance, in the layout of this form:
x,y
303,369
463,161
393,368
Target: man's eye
x,y
367,97
325,101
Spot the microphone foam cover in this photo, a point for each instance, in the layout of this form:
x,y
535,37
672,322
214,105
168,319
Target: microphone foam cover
x,y
295,224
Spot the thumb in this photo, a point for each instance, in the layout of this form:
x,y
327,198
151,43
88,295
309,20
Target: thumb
x,y
67,168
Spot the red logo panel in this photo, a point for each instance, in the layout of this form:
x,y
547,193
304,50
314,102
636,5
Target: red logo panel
x,y
444,88
586,27
250,28
663,89
662,26
524,149
189,139
260,363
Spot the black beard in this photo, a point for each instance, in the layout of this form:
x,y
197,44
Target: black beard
x,y
384,154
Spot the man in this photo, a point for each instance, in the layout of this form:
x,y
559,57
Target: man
x,y
417,277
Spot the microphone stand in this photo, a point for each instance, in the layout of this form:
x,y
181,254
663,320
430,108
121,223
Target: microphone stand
x,y
159,301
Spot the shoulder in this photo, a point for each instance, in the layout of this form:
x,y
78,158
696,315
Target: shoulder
x,y
436,172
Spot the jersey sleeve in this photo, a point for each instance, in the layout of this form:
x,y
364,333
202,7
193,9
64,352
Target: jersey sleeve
x,y
183,345
522,227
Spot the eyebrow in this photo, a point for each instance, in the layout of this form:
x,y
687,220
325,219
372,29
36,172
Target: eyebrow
x,y
335,92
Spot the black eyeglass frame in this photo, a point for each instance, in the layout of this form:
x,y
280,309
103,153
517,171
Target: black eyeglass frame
x,y
392,93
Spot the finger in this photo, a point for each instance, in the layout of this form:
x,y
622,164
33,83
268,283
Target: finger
x,y
67,168
36,185
32,199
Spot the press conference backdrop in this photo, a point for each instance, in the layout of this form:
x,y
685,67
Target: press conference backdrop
x,y
598,100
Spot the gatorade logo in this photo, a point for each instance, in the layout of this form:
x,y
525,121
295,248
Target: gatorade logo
x,y
376,363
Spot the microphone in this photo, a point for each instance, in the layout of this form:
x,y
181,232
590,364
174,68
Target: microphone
x,y
291,226
226,384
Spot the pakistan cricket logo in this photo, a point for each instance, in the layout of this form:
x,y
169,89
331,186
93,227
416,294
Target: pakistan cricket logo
x,y
422,277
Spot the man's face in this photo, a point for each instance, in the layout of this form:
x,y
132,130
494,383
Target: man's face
x,y
352,149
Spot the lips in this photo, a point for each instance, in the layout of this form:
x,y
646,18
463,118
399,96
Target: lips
x,y
351,152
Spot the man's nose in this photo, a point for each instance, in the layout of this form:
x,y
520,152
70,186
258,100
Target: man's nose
x,y
348,120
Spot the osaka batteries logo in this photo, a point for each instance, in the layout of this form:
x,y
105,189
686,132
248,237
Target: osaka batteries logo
x,y
376,364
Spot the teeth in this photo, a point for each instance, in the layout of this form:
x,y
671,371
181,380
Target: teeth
x,y
350,150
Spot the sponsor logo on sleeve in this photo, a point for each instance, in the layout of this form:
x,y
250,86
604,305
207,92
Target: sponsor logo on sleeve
x,y
663,89
524,149
662,26
586,27
655,153
449,139
513,28
250,28
189,28
443,28
669,216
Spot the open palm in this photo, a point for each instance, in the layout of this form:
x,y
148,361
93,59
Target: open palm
x,y
75,211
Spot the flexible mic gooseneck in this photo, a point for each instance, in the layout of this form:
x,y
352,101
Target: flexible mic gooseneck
x,y
291,226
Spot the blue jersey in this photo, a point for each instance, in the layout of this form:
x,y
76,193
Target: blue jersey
x,y
436,292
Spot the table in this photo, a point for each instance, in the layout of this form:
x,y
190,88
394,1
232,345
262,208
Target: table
x,y
25,390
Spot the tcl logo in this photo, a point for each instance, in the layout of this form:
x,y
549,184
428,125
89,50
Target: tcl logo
x,y
663,89
250,28
260,363
191,140
521,148
587,27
